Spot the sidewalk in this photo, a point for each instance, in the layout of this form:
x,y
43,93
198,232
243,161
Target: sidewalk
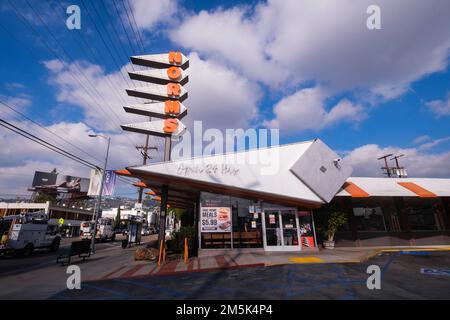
x,y
231,260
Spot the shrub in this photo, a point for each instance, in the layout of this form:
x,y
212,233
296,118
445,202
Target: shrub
x,y
177,243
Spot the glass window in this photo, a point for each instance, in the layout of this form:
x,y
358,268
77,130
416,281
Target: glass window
x,y
370,218
246,225
424,214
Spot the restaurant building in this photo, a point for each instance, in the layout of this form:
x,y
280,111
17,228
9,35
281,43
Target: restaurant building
x,y
272,199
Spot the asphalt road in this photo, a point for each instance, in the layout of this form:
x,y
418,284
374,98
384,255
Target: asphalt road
x,y
40,277
14,264
401,278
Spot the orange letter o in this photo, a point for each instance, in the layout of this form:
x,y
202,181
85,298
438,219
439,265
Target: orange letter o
x,y
174,73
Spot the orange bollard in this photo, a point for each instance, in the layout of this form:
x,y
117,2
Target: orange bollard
x,y
186,251
164,253
160,252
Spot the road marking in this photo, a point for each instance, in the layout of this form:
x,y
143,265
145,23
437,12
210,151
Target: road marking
x,y
436,272
306,260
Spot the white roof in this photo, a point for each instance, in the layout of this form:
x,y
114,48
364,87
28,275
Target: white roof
x,y
245,170
389,187
278,170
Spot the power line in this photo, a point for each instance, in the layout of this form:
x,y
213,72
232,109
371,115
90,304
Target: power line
x,y
123,25
32,28
135,24
46,129
46,144
96,58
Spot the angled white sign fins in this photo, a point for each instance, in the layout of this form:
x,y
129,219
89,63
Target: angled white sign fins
x,y
168,127
163,60
160,92
165,88
161,76
166,109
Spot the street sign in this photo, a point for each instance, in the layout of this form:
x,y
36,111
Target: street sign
x,y
61,221
168,127
166,109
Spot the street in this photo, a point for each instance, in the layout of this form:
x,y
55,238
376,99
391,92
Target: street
x,y
400,279
39,277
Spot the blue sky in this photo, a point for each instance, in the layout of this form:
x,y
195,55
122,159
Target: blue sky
x,y
313,71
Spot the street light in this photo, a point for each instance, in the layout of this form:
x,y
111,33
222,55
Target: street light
x,y
99,205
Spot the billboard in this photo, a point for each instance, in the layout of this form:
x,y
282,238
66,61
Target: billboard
x,y
96,182
59,182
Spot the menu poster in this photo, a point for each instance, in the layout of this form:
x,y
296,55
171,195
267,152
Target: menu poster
x,y
215,219
253,224
271,218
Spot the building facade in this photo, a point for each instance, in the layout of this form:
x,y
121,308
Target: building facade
x,y
275,199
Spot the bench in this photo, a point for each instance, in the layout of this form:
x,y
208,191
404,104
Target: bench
x,y
82,249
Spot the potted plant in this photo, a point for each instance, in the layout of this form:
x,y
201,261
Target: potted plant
x,y
335,221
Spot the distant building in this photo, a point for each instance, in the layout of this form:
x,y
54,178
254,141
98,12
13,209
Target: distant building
x,y
72,215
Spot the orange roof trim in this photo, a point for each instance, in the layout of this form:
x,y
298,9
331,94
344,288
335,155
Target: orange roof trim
x,y
421,192
355,191
157,198
123,172
151,193
140,184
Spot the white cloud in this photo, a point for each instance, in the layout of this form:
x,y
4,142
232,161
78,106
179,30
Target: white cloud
x,y
19,102
305,110
229,36
418,163
19,157
434,143
326,41
440,108
100,95
219,97
421,139
148,13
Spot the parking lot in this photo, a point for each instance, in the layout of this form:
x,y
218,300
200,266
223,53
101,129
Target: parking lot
x,y
401,278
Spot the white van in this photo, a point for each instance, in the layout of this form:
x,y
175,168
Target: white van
x,y
23,233
104,230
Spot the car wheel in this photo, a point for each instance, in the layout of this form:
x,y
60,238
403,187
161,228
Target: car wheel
x,y
28,250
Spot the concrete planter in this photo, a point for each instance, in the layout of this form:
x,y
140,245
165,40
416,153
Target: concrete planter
x,y
328,244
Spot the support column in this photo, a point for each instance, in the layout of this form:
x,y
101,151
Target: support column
x,y
403,218
163,214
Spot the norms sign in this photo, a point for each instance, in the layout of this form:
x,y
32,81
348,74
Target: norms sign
x,y
165,90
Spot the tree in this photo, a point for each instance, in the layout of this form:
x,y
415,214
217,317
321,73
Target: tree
x,y
43,197
117,219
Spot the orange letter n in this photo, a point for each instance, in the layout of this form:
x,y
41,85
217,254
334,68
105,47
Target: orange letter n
x,y
175,57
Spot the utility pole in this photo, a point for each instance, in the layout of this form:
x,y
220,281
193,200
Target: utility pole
x,y
401,171
145,155
98,208
386,168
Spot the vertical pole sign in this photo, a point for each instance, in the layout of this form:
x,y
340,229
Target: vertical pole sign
x,y
166,79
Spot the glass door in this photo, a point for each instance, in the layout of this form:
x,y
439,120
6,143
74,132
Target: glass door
x,y
290,228
281,232
273,236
